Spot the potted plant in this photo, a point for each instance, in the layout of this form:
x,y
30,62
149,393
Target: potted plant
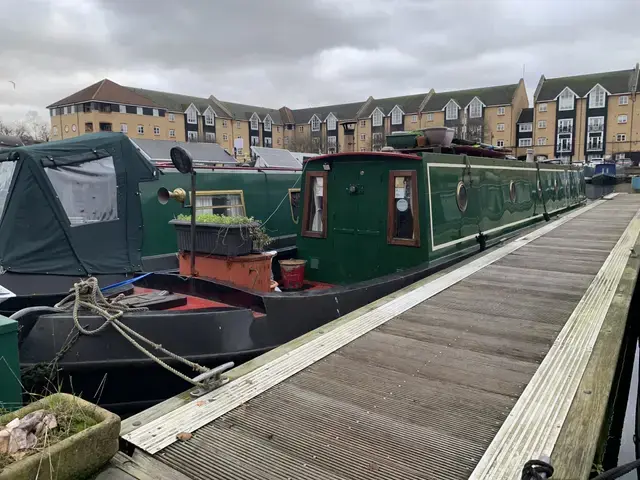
x,y
223,235
60,436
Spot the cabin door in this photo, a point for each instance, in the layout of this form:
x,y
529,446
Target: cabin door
x,y
358,203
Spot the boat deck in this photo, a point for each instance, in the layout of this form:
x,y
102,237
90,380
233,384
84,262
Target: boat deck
x,y
466,374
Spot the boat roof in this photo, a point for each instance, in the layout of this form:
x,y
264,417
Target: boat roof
x,y
275,157
202,153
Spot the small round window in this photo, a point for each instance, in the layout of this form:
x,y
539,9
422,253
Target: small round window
x,y
461,196
512,192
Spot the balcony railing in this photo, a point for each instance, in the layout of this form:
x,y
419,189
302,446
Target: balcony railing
x,y
565,129
564,145
594,145
596,127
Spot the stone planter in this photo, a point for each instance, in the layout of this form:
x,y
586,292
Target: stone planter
x,y
215,239
76,456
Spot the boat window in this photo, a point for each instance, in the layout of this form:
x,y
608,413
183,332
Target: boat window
x,y
221,202
403,218
461,197
294,202
6,174
88,191
315,205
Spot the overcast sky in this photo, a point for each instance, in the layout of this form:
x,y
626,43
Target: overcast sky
x,y
303,52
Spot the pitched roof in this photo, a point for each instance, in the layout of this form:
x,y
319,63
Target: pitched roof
x,y
620,81
526,116
408,104
107,91
498,95
159,151
343,111
179,103
241,111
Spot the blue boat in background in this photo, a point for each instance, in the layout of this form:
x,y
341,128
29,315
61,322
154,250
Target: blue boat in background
x,y
604,174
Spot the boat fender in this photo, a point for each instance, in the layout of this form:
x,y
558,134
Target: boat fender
x,y
482,240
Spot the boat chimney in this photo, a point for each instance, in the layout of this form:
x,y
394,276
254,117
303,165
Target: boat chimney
x,y
529,155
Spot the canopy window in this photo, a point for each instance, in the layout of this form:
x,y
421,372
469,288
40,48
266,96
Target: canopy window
x,y
221,202
6,174
403,217
87,191
315,205
294,202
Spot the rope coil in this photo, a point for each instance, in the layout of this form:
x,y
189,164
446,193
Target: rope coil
x,y
87,294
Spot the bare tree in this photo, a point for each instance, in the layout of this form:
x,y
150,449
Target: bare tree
x,y
307,144
30,129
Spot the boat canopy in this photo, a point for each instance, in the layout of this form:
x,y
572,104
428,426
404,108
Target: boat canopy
x,y
72,207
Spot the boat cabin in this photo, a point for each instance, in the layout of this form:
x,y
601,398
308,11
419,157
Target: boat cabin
x,y
370,214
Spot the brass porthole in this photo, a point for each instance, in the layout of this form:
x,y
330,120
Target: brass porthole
x,y
513,195
461,197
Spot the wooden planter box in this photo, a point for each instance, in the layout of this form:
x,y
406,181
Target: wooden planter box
x,y
215,239
74,457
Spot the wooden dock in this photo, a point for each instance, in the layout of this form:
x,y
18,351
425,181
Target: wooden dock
x,y
466,374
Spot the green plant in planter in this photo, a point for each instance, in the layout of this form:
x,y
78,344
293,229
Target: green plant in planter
x,y
257,232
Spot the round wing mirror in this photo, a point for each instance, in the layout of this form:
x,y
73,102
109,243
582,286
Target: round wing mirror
x,y
181,159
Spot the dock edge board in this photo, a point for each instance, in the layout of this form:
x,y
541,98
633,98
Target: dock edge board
x,y
535,422
161,432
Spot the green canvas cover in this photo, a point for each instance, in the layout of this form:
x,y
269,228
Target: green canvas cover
x,y
73,206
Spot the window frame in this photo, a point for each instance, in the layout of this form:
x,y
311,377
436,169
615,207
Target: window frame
x,y
225,137
156,130
225,123
192,115
122,108
332,122
211,193
209,118
626,100
521,140
210,137
475,108
597,97
172,133
124,128
542,107
621,137
501,110
500,127
306,211
295,220
172,117
266,124
542,124
449,109
140,129
565,96
254,122
156,112
414,118
191,135
498,142
139,111
626,118
315,123
525,127
541,143
396,116
391,208
429,117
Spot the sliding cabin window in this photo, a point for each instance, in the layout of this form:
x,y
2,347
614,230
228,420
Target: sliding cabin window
x,y
315,205
7,168
294,203
221,202
403,226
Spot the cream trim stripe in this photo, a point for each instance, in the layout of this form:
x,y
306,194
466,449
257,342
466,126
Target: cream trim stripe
x,y
162,432
532,428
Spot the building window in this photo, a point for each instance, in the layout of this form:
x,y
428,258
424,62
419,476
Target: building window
x,y
172,133
55,131
429,117
266,126
362,149
475,109
596,124
623,100
376,118
192,136
294,203
331,122
402,213
192,115
451,111
315,124
156,130
278,128
566,100
268,142
254,122
363,137
524,142
255,141
209,118
225,137
123,109
172,117
156,113
363,123
331,144
209,137
238,125
396,116
542,107
620,156
621,137
88,127
524,127
500,110
221,202
278,141
542,124
65,110
315,205
53,112
499,143
225,123
72,109
139,111
596,97
414,118
140,130
542,141
124,128
622,119
500,127
565,125
286,140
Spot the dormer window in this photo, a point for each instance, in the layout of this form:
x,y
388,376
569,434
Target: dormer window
x,y
396,115
376,116
566,100
475,108
597,97
255,120
267,123
192,115
209,117
451,111
331,122
315,124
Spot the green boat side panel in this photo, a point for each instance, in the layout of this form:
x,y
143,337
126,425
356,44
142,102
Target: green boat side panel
x,y
502,196
10,389
266,196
